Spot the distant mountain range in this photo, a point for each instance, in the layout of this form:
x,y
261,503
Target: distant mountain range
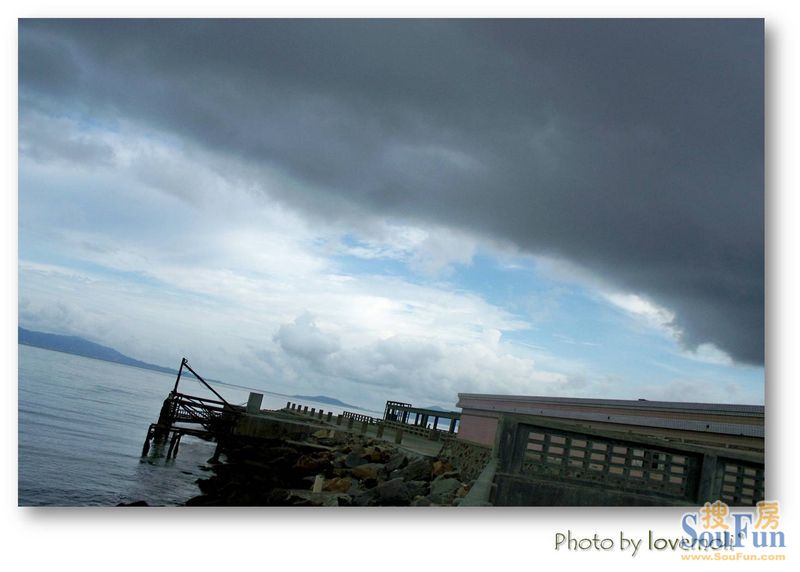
x,y
85,348
437,408
326,399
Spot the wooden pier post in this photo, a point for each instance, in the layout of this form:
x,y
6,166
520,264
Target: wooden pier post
x,y
172,443
161,432
177,445
217,451
146,446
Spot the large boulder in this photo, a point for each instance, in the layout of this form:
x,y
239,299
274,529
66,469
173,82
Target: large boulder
x,y
395,492
314,463
443,490
421,501
337,484
374,454
307,498
368,471
417,488
417,470
280,451
440,467
396,461
354,459
365,498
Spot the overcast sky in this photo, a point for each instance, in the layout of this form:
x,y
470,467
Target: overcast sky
x,y
402,209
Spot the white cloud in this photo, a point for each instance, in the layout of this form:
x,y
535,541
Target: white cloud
x,y
441,251
304,339
179,256
652,314
250,291
709,353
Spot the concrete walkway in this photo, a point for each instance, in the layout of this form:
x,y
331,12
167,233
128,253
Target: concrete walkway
x,y
414,444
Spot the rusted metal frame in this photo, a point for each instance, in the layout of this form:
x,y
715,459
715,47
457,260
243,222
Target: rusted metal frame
x,y
185,363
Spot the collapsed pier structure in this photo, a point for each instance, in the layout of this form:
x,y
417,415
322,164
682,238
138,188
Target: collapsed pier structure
x,y
524,450
182,414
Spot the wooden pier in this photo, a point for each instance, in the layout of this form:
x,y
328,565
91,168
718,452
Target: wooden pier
x,y
183,414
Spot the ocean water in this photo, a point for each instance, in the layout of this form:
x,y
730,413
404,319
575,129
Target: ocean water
x,y
82,423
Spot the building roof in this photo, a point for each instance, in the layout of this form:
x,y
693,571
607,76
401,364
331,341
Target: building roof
x,y
641,404
744,419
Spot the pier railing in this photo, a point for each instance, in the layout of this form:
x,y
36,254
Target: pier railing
x,y
209,413
361,418
349,418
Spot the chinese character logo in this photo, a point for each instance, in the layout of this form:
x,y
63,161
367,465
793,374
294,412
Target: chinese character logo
x,y
714,515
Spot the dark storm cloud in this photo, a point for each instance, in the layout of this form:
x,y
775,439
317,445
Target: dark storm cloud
x,y
634,148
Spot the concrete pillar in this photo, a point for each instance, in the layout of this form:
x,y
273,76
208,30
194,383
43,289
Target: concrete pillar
x,y
288,405
710,483
321,413
436,422
398,436
305,409
379,434
349,422
313,410
254,402
330,415
452,428
339,419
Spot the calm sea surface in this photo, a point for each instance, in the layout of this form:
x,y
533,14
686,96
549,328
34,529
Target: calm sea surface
x,y
82,423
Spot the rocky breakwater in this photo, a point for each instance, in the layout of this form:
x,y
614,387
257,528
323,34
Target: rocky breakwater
x,y
323,470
